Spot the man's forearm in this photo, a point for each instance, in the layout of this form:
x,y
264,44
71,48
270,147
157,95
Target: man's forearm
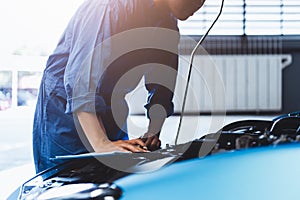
x,y
93,129
96,134
155,125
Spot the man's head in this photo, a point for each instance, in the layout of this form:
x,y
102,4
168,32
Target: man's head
x,y
182,9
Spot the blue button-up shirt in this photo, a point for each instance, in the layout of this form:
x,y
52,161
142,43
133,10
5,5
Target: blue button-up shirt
x,y
86,72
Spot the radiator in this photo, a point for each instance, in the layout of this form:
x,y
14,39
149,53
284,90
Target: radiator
x,y
232,83
235,83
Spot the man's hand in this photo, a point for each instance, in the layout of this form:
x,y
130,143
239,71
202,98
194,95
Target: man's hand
x,y
134,145
152,141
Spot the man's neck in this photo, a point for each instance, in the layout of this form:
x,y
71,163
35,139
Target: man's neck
x,y
162,5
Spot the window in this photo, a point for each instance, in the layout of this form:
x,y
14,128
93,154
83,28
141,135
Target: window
x,y
246,17
5,89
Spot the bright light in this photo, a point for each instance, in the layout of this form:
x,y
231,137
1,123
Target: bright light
x,y
33,24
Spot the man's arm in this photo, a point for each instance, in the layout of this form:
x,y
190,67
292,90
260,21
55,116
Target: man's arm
x,y
151,137
96,135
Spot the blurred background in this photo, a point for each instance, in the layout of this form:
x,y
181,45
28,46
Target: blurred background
x,y
29,32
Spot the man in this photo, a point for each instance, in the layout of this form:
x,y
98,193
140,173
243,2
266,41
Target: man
x,y
81,106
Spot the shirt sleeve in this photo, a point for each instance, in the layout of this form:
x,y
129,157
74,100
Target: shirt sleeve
x,y
160,81
160,84
91,25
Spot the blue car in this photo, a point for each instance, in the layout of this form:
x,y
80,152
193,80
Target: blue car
x,y
249,159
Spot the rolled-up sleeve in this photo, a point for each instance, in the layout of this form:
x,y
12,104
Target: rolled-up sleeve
x,y
159,96
160,84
